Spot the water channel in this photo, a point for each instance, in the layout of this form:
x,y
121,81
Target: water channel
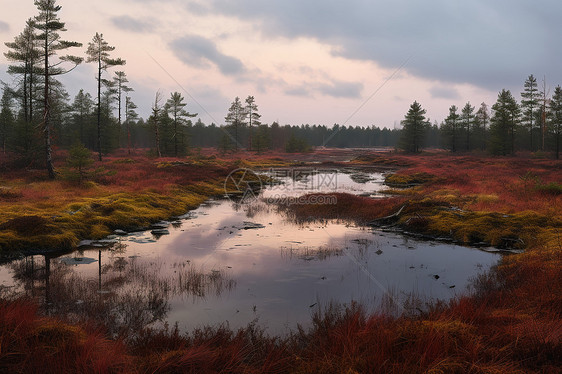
x,y
230,263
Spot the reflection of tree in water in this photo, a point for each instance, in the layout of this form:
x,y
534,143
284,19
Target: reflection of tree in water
x,y
128,294
311,253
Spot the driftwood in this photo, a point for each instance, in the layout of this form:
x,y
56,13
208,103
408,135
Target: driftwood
x,y
388,220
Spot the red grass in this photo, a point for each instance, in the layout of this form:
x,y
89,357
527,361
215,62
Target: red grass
x,y
348,207
33,344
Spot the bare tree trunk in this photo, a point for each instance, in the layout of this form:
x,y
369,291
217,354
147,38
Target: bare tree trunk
x,y
157,127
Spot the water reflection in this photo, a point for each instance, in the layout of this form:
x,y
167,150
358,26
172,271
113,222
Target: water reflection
x,y
235,263
126,295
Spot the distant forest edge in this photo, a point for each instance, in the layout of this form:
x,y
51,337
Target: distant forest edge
x,y
38,115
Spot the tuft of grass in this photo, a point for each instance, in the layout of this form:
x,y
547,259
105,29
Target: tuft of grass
x,y
408,180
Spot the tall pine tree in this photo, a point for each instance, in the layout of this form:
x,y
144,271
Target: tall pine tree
x,y
253,116
130,115
503,124
175,107
48,24
556,118
467,120
6,118
25,51
235,119
529,106
98,52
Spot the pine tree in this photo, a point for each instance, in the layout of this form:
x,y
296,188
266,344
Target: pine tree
x,y
155,119
235,119
98,52
481,122
25,50
414,128
82,110
110,129
130,115
556,118
6,118
467,120
253,116
49,26
503,124
120,83
449,129
175,107
529,104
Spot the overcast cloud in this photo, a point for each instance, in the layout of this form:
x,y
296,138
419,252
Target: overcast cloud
x,y
314,61
128,23
201,52
486,43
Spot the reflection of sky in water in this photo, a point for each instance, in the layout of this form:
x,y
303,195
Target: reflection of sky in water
x,y
283,269
295,182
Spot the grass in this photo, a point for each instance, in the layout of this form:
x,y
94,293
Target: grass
x,y
122,193
510,323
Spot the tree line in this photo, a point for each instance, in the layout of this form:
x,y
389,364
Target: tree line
x,y
534,124
38,115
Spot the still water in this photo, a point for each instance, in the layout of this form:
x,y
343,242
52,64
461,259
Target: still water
x,y
240,263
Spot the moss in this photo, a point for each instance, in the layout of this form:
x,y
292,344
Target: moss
x,y
518,230
408,180
95,217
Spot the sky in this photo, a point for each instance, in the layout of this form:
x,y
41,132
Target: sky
x,y
358,62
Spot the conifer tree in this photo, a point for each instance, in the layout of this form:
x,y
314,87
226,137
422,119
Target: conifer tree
x,y
6,118
467,119
81,111
155,119
556,118
120,83
175,107
414,128
130,115
253,116
235,119
529,105
98,52
25,51
503,124
48,24
481,122
450,129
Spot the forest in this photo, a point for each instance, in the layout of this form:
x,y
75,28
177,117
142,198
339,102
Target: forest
x,y
38,116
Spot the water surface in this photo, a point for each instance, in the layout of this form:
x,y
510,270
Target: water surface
x,y
238,263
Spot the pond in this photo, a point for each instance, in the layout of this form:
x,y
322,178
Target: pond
x,y
233,263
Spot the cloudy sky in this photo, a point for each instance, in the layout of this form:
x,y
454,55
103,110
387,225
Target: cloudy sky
x,y
358,62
